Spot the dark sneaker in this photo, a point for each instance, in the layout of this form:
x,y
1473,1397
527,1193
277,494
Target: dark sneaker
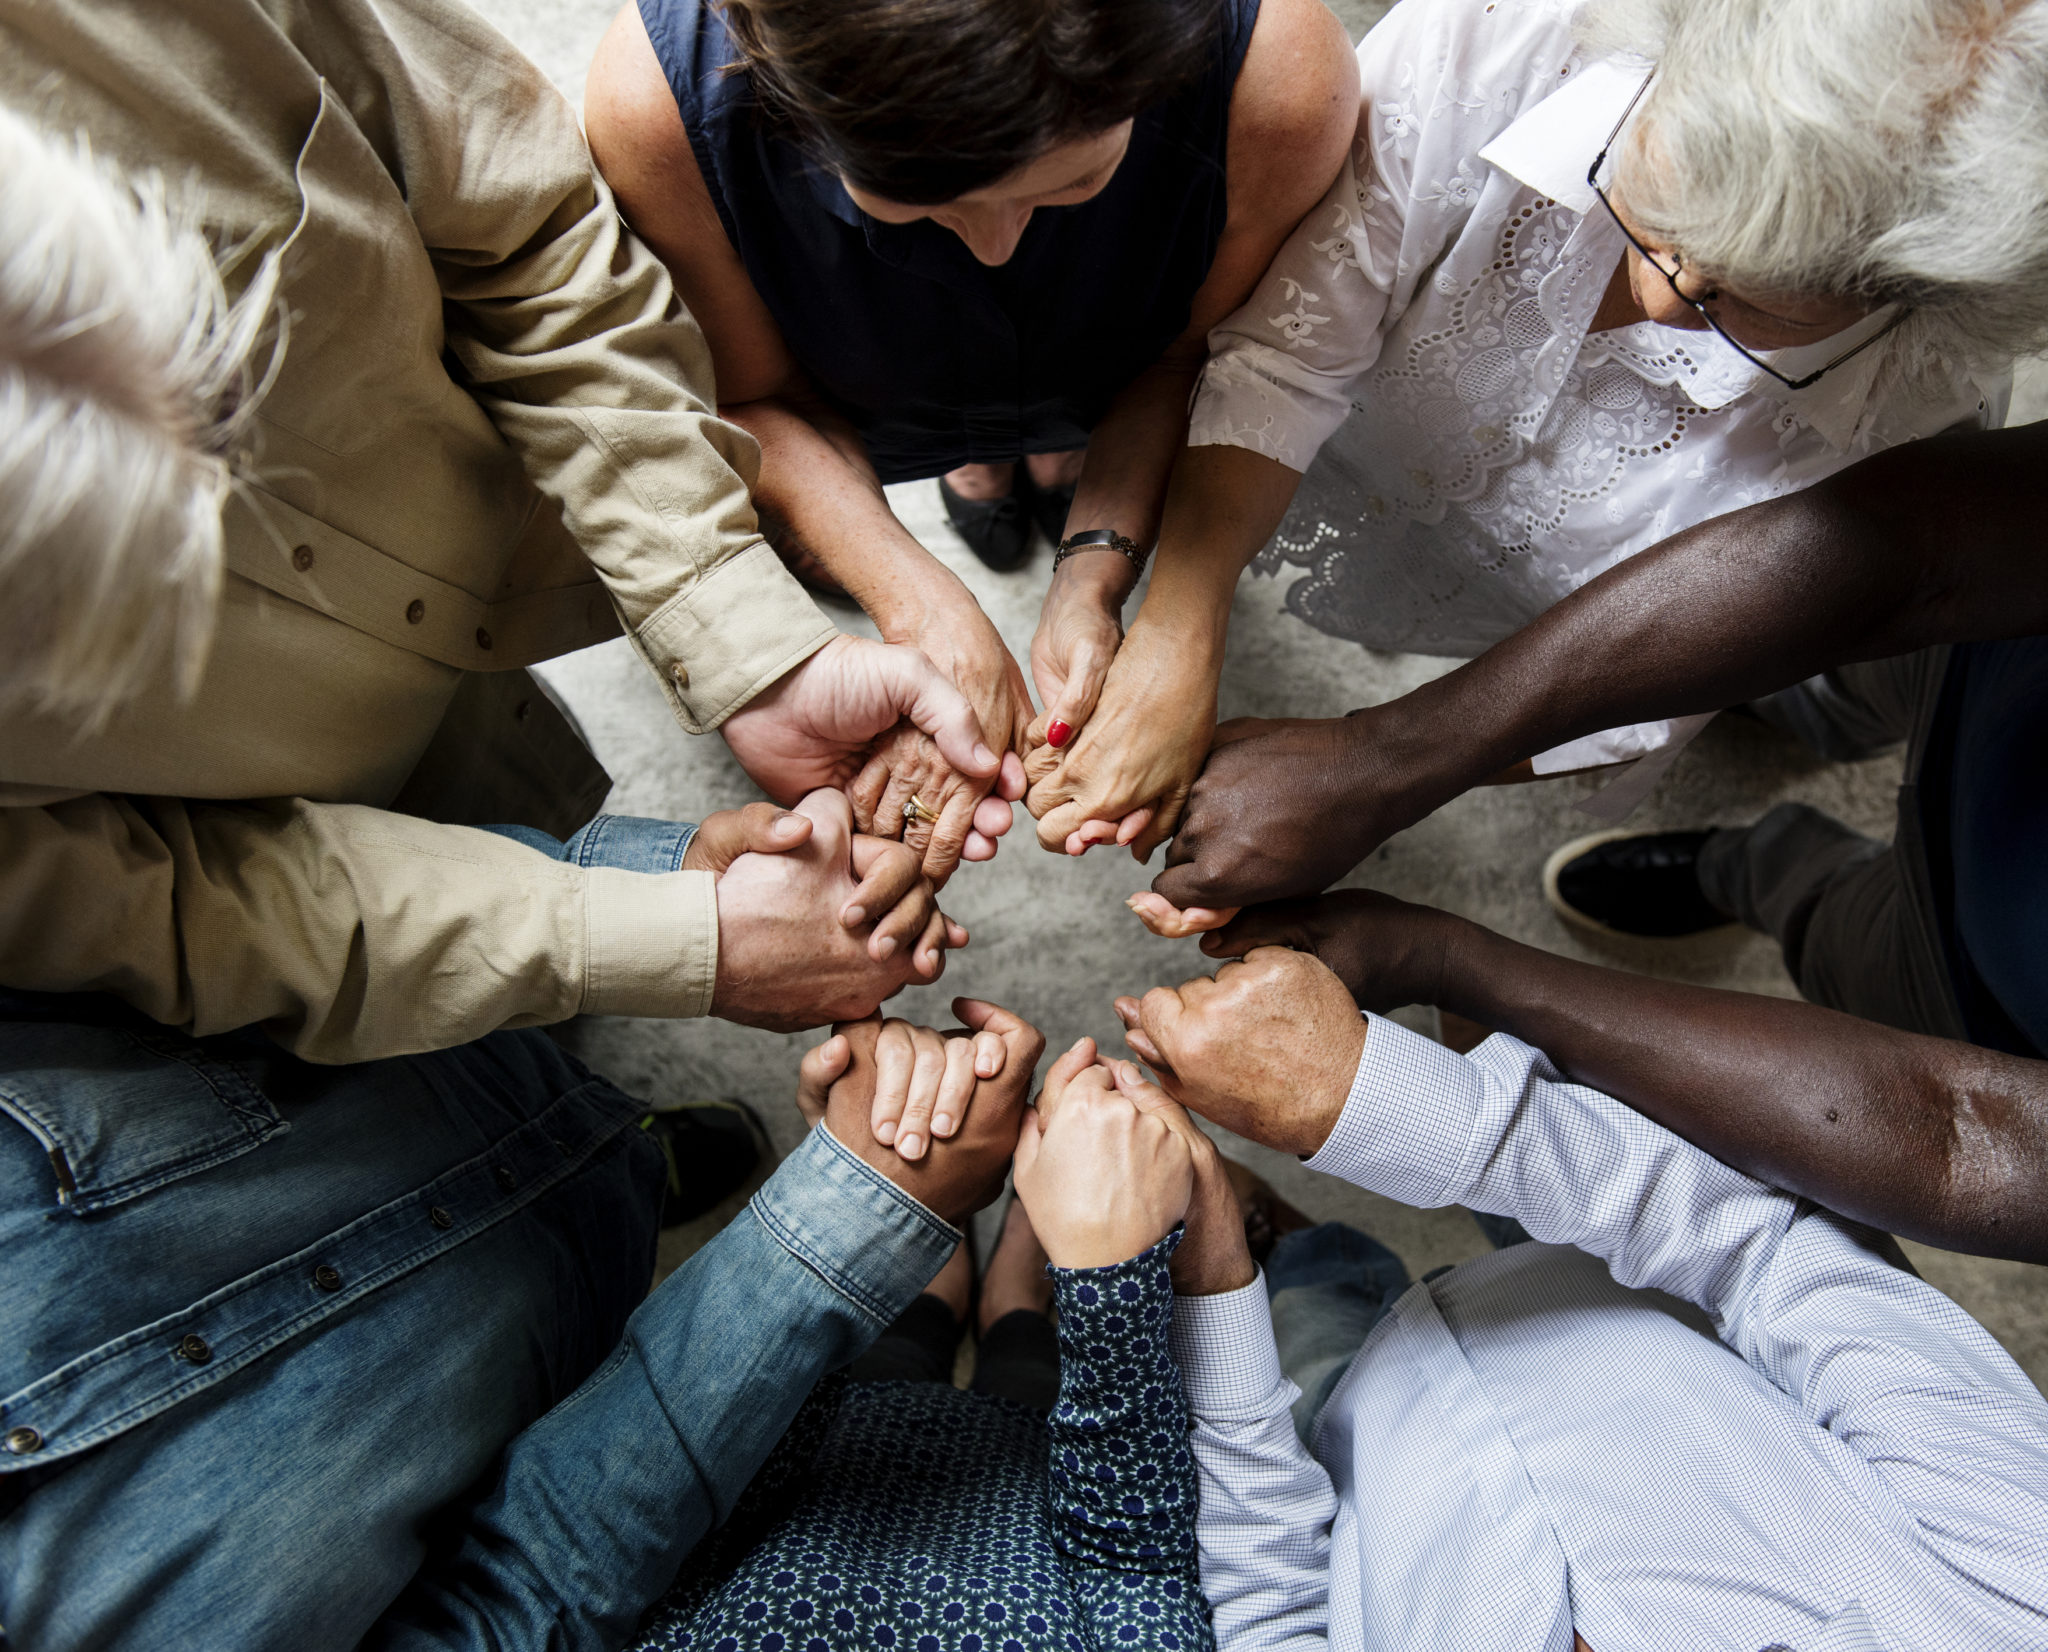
x,y
996,530
1643,884
712,1147
1049,506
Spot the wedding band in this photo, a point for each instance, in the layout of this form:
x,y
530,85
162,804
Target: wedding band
x,y
918,809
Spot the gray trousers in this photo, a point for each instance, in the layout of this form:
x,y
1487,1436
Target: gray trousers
x,y
1855,917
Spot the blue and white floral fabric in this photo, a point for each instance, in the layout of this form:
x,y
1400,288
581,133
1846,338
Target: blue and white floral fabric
x,y
921,1518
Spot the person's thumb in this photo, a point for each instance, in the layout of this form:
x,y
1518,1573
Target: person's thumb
x,y
758,829
1079,694
918,690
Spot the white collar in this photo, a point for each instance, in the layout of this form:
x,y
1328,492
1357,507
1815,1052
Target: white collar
x,y
1551,145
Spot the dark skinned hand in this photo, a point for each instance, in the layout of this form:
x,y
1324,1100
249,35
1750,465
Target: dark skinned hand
x,y
1387,952
1283,807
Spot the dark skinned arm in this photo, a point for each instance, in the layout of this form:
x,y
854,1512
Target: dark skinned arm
x,y
1935,541
1938,1141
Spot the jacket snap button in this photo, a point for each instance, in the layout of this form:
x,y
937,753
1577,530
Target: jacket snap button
x,y
681,673
195,1348
22,1441
505,1179
483,639
440,1218
327,1278
302,557
415,611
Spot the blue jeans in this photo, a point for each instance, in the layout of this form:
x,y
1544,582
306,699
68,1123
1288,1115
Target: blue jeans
x,y
630,842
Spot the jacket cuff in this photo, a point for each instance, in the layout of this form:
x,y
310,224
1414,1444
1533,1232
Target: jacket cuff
x,y
1229,1363
741,627
1407,1127
853,1227
650,942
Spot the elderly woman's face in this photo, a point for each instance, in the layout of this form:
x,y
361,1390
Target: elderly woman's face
x,y
1755,320
991,219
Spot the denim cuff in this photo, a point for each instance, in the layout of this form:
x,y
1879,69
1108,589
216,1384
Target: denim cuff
x,y
853,1227
1407,1126
1229,1363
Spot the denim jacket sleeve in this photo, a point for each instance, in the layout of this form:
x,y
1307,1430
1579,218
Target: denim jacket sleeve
x,y
1120,1478
597,1504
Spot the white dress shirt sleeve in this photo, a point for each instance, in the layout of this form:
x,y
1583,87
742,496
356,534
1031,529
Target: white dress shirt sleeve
x,y
1267,1505
1951,1428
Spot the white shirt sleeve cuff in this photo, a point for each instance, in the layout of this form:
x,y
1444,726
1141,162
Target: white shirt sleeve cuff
x,y
1408,1125
1229,1364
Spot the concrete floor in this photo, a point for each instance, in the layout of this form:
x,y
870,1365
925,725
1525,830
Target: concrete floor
x,y
1052,938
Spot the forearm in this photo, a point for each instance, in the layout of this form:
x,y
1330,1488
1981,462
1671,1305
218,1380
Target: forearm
x,y
823,508
598,1503
1939,1141
348,933
1936,541
1222,505
1131,453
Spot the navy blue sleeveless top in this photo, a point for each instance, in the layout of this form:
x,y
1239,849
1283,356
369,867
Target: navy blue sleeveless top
x,y
937,360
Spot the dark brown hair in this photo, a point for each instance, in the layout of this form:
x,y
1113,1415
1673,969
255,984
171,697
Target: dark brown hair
x,y
920,101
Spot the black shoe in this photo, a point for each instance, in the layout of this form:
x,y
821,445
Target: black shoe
x,y
712,1147
1050,507
1632,883
996,530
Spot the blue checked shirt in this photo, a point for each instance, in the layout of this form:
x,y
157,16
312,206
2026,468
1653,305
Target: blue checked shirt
x,y
1540,1441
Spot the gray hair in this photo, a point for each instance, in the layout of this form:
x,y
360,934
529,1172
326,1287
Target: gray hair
x,y
126,377
1882,150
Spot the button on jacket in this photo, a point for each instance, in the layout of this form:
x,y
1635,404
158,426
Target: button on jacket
x,y
491,441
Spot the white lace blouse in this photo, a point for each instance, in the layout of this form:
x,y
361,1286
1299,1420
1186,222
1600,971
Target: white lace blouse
x,y
1419,348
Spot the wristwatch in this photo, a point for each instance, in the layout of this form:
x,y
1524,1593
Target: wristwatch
x,y
1101,539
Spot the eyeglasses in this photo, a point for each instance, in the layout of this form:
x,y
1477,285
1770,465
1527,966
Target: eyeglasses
x,y
1699,305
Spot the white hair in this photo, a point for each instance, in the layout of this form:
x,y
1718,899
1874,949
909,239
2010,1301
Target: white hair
x,y
1881,150
126,377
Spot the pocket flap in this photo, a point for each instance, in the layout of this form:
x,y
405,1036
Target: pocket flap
x,y
123,1111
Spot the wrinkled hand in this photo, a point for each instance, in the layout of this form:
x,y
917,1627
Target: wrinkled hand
x,y
795,945
958,1175
1282,808
1268,1048
814,726
965,648
1126,774
1080,628
1101,1177
1387,952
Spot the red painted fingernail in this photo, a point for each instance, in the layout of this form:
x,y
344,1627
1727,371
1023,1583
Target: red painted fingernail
x,y
1058,733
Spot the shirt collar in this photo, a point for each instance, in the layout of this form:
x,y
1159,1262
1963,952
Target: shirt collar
x,y
1551,146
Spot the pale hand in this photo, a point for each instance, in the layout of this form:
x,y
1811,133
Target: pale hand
x,y
1080,628
1125,776
787,958
1100,1177
1267,1048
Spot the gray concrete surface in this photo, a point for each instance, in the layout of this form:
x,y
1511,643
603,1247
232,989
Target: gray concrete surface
x,y
1052,937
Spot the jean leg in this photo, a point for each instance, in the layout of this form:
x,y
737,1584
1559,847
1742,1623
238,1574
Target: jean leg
x,y
630,843
1019,1359
918,1346
1328,1287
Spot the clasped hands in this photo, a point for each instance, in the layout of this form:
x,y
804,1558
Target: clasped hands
x,y
1107,1160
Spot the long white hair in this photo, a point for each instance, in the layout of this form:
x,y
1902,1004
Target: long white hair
x,y
127,375
1889,150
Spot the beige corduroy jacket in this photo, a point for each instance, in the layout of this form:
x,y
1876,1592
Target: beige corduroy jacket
x,y
492,441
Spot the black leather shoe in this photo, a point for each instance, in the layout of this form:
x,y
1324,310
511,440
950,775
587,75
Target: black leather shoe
x,y
996,530
1050,507
712,1148
1643,884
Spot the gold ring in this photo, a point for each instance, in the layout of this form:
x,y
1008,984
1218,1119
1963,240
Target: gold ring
x,y
918,809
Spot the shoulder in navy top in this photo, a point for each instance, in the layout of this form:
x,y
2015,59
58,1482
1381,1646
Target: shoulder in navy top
x,y
937,360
